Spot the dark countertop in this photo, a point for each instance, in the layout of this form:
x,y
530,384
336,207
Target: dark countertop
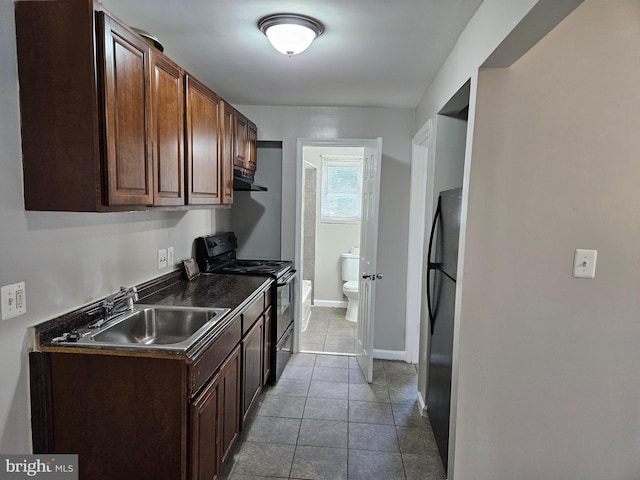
x,y
207,290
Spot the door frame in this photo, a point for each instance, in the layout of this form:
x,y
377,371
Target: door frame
x,y
420,207
299,238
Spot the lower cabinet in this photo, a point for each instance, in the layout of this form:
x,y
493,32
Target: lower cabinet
x,y
215,420
266,362
230,383
206,417
252,365
150,417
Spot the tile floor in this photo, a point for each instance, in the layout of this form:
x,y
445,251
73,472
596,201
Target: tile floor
x,y
322,421
328,331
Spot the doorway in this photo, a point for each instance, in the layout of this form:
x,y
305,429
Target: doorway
x,y
330,229
437,378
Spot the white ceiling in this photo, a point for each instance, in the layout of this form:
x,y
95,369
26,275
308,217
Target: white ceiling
x,y
372,53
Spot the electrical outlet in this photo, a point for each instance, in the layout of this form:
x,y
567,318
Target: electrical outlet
x,y
170,256
14,300
162,258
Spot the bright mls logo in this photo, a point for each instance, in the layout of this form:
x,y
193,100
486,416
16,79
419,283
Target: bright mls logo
x,y
55,467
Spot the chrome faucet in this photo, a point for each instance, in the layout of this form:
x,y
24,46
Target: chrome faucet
x,y
117,303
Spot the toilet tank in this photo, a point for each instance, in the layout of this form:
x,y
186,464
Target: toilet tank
x,y
350,267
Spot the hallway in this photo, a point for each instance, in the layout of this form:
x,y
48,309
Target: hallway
x,y
322,421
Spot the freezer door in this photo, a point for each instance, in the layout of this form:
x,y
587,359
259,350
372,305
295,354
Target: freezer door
x,y
440,355
449,231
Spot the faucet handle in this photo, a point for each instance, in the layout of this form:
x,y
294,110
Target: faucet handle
x,y
130,291
133,291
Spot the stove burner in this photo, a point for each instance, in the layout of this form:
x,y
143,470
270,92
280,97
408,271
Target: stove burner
x,y
249,263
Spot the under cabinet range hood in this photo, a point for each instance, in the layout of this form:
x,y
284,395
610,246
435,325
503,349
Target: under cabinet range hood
x,y
244,182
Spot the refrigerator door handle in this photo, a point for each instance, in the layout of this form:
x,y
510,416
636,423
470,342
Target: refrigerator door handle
x,y
432,265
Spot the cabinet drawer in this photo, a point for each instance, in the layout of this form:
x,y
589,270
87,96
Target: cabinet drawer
x,y
252,313
205,366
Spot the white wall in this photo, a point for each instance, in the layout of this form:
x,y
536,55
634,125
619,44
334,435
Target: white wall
x,y
498,26
492,22
66,259
548,364
450,144
395,125
332,239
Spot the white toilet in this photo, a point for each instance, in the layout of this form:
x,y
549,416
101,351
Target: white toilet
x,y
350,277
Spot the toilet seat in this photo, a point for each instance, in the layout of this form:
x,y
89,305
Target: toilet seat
x,y
351,286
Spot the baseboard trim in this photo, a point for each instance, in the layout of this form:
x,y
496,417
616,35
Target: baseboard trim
x,y
389,354
330,303
422,405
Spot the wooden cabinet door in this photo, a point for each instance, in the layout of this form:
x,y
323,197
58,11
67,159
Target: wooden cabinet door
x,y
205,433
241,159
129,170
252,138
167,133
230,375
203,174
266,362
252,366
227,152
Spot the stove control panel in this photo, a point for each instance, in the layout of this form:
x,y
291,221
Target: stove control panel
x,y
217,246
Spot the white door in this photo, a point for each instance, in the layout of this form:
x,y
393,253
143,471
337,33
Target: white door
x,y
368,254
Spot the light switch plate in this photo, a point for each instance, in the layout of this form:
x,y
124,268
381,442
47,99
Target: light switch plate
x,y
584,263
170,256
14,300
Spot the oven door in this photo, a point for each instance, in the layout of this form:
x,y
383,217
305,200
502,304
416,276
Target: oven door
x,y
284,303
282,337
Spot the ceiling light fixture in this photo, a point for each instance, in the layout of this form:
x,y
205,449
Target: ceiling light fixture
x,y
290,33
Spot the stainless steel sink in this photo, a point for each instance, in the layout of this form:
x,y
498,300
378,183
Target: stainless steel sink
x,y
155,326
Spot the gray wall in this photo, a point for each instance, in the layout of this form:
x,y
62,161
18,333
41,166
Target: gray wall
x,y
395,125
66,259
255,216
548,365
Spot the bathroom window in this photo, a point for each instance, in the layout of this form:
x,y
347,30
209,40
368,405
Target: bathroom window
x,y
341,189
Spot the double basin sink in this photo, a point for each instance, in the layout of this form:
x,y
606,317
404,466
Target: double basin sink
x,y
153,327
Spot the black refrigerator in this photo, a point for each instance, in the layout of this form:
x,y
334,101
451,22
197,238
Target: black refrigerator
x,y
441,298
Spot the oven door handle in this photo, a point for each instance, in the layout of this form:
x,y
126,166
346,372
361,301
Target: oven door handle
x,y
287,279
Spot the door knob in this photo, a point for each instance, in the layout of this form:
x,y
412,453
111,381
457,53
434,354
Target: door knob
x,y
372,276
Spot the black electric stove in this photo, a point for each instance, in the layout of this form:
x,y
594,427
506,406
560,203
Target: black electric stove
x,y
217,254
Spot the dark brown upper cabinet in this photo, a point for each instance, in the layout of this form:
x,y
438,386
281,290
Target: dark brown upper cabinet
x,y
129,172
109,123
227,152
241,133
252,139
203,149
246,134
85,109
167,134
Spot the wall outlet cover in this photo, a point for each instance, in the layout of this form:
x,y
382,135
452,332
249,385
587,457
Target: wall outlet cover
x,y
162,258
13,300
